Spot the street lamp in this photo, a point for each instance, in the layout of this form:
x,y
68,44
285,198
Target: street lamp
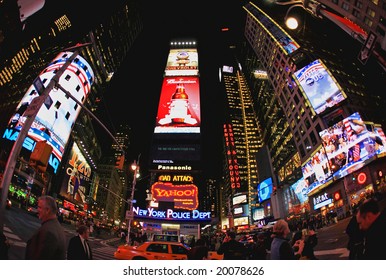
x,y
12,158
311,6
135,168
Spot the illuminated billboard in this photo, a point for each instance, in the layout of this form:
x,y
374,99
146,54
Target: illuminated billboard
x,y
264,189
56,117
349,145
300,189
183,196
316,170
77,181
319,86
182,62
277,33
179,106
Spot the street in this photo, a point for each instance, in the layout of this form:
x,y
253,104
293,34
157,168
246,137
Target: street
x,y
20,225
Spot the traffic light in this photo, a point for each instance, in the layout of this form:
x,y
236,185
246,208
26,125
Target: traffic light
x,y
41,154
120,162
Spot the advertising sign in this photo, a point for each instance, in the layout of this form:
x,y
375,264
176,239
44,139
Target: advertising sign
x,y
56,117
182,62
183,196
264,189
349,145
171,214
76,183
319,86
179,106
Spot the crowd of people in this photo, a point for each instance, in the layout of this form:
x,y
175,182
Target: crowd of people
x,y
366,231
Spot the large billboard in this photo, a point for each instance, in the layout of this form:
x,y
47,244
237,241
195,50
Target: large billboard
x,y
319,86
264,189
77,181
182,62
350,144
56,117
179,106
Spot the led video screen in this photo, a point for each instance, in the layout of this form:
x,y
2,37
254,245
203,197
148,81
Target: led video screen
x,y
179,106
264,189
300,189
349,145
319,86
316,171
182,62
56,117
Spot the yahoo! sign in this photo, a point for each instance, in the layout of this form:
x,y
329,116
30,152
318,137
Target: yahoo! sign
x,y
183,196
170,214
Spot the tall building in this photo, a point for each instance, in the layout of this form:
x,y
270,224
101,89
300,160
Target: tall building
x,y
321,90
103,41
176,185
242,141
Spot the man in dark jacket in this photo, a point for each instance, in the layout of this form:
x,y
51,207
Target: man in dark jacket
x,y
373,222
49,242
232,249
78,247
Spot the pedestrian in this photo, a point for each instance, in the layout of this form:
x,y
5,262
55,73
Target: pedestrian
x,y
355,238
78,246
49,242
199,251
281,248
310,242
373,222
192,242
257,250
231,248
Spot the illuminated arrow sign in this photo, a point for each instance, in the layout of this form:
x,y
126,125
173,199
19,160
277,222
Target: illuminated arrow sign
x,y
367,48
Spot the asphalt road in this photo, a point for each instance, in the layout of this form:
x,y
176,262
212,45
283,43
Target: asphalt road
x,y
20,225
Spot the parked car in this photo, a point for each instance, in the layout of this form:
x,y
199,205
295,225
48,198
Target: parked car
x,y
153,250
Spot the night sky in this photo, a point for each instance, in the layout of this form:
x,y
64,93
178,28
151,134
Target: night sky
x,y
132,96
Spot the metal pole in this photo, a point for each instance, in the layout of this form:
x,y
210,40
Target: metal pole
x,y
12,158
129,220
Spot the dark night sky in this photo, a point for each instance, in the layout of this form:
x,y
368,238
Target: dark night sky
x,y
140,78
133,94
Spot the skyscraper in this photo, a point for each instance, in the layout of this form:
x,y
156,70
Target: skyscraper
x,y
320,94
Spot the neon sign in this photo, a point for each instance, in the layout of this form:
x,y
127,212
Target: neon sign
x,y
183,196
171,214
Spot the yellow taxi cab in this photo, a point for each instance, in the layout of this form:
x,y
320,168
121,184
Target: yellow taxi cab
x,y
212,255
153,250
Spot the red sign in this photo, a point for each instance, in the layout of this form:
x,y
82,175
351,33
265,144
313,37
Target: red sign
x,y
183,196
362,178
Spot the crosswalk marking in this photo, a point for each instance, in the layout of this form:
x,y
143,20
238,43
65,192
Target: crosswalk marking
x,y
103,253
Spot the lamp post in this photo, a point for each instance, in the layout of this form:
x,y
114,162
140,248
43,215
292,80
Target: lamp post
x,y
135,168
311,6
15,151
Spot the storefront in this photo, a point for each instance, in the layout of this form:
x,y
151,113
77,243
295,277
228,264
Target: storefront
x,y
185,224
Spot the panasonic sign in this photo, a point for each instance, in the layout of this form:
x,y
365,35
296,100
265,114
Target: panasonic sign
x,y
174,168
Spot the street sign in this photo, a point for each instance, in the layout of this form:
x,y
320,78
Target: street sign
x,y
367,48
129,215
39,86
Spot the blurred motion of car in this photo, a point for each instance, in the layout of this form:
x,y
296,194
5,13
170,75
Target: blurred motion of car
x,y
153,250
8,204
32,210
